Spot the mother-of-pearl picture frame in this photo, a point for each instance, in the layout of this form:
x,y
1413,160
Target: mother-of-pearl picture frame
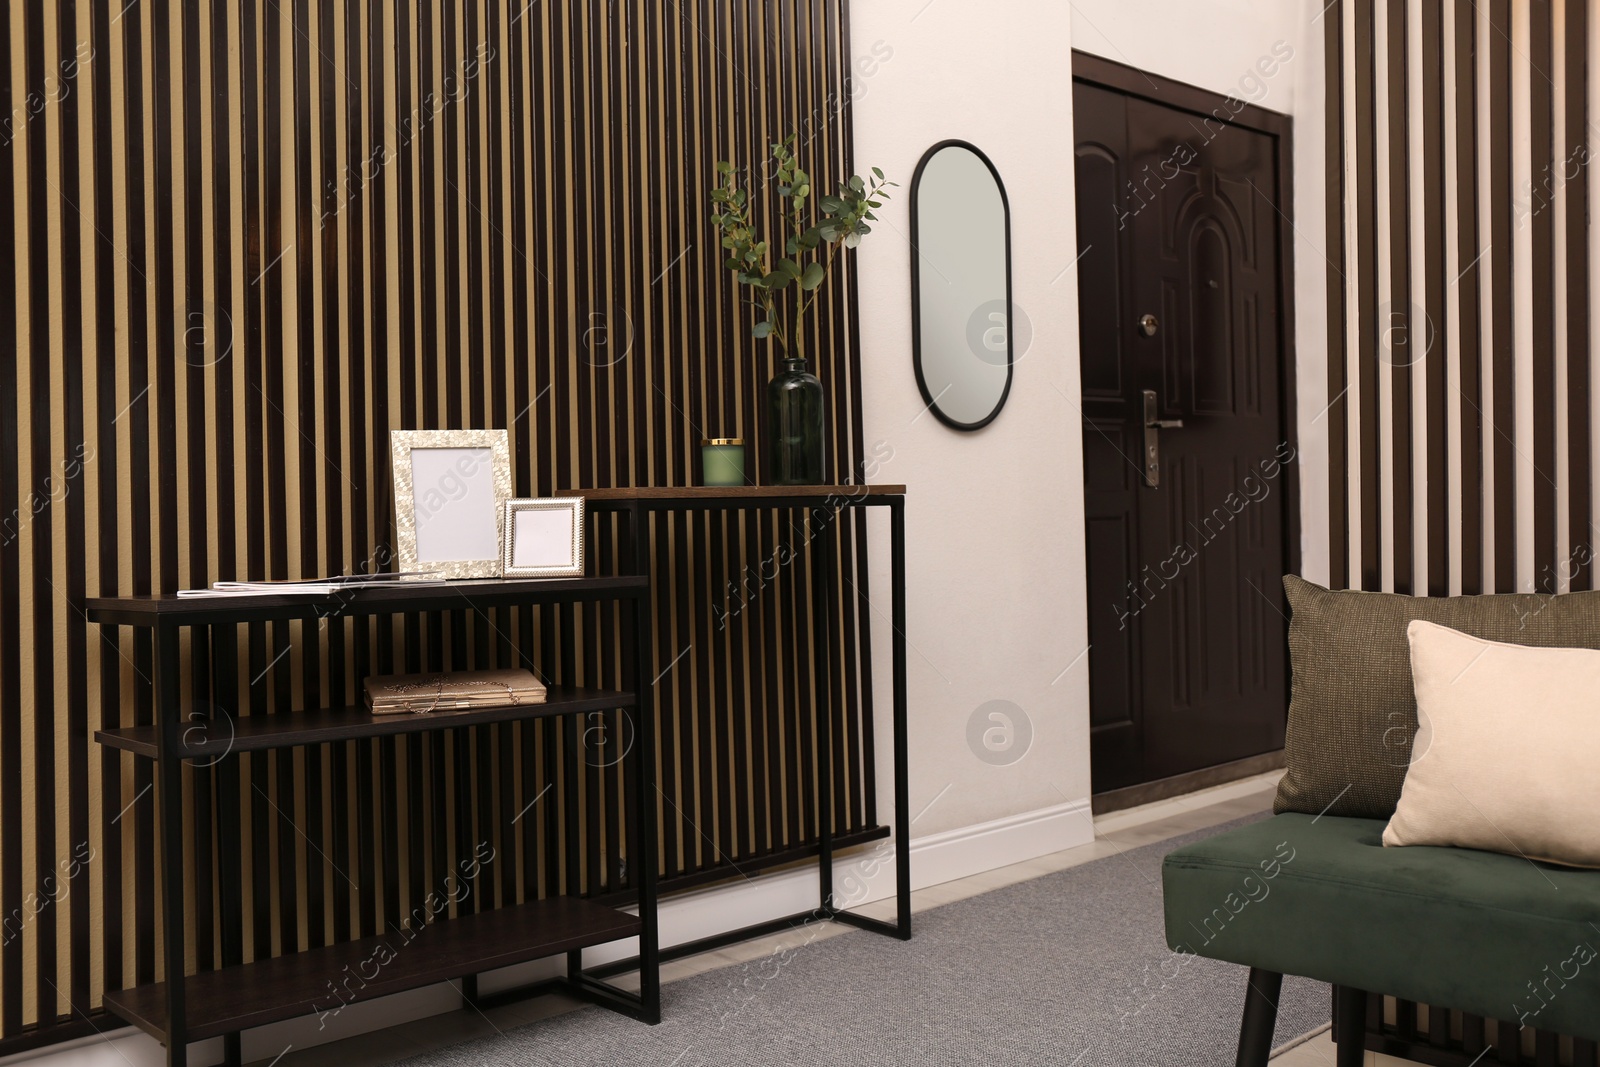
x,y
450,489
543,538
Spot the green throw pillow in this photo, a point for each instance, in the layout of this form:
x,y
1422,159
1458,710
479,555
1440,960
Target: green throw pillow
x,y
1352,711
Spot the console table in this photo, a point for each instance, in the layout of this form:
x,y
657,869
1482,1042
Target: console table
x,y
638,503
241,996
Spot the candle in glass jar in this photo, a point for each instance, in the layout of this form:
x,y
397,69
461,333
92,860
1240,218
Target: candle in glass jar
x,y
722,461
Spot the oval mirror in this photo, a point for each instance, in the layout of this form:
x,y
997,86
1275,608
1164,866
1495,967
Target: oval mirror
x,y
961,285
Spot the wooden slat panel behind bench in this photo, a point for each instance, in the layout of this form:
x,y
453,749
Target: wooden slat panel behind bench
x,y
1446,1038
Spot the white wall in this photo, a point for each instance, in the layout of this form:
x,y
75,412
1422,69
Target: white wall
x,y
995,518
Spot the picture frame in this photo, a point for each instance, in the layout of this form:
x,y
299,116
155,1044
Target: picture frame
x,y
450,489
543,538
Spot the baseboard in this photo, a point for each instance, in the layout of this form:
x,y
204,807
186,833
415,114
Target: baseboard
x,y
953,854
1133,796
865,875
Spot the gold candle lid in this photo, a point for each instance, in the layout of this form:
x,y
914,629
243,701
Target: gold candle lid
x,y
722,441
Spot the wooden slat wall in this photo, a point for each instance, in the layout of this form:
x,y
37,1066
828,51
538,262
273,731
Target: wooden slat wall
x,y
1462,432
239,242
1462,437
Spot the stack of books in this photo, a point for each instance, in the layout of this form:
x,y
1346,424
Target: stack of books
x,y
419,694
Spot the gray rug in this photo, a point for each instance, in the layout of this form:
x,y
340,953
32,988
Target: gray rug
x,y
1069,970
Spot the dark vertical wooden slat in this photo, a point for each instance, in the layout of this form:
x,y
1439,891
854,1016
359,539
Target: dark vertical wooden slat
x,y
1436,338
308,450
287,817
220,341
1501,349
11,892
468,193
330,517
1469,291
1508,1041
1546,1049
1579,566
79,363
275,673
1367,297
377,328
255,766
1541,129
450,186
1405,1019
1438,1026
197,352
1404,328
258,769
802,654
42,525
406,152
106,456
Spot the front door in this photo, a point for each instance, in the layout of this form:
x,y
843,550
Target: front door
x,y
1184,440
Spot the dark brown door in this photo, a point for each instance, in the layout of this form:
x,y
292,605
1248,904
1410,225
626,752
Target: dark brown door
x,y
1179,305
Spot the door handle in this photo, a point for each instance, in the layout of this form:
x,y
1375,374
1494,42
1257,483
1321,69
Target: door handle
x,y
1153,425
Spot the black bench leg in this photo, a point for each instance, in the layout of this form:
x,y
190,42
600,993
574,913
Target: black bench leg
x,y
1260,1017
1350,1025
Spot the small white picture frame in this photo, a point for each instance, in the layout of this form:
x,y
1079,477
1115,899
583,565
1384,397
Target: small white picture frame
x,y
450,489
543,538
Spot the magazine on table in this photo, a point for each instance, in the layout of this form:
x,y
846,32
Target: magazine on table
x,y
315,586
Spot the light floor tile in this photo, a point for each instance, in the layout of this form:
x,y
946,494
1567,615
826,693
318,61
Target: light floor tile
x,y
1319,1052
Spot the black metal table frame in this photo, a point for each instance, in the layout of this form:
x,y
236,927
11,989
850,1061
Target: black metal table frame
x,y
638,510
171,730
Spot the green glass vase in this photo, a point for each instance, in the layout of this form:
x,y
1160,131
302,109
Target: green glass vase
x,y
795,426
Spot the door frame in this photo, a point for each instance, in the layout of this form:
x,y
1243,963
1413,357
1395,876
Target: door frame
x,y
1207,105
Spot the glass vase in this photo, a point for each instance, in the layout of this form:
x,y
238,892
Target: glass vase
x,y
795,407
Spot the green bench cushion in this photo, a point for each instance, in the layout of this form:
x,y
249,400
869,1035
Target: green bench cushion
x,y
1484,933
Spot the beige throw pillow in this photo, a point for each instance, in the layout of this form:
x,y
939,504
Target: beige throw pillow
x,y
1507,753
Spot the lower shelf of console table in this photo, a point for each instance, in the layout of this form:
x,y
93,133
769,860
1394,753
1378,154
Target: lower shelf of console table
x,y
326,979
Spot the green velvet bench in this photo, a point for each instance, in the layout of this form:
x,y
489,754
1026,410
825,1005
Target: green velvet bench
x,y
1321,897
1313,892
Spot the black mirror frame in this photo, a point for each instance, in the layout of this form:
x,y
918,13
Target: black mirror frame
x,y
916,288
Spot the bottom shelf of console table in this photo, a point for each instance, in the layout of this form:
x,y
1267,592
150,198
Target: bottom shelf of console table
x,y
326,979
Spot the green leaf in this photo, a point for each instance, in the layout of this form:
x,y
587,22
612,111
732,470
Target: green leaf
x,y
812,277
724,167
777,280
802,191
856,183
762,330
831,204
852,240
877,173
790,267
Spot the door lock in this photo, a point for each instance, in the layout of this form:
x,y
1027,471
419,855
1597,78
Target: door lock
x,y
1153,425
1148,324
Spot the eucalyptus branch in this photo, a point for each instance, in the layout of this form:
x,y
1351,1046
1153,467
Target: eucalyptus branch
x,y
810,248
